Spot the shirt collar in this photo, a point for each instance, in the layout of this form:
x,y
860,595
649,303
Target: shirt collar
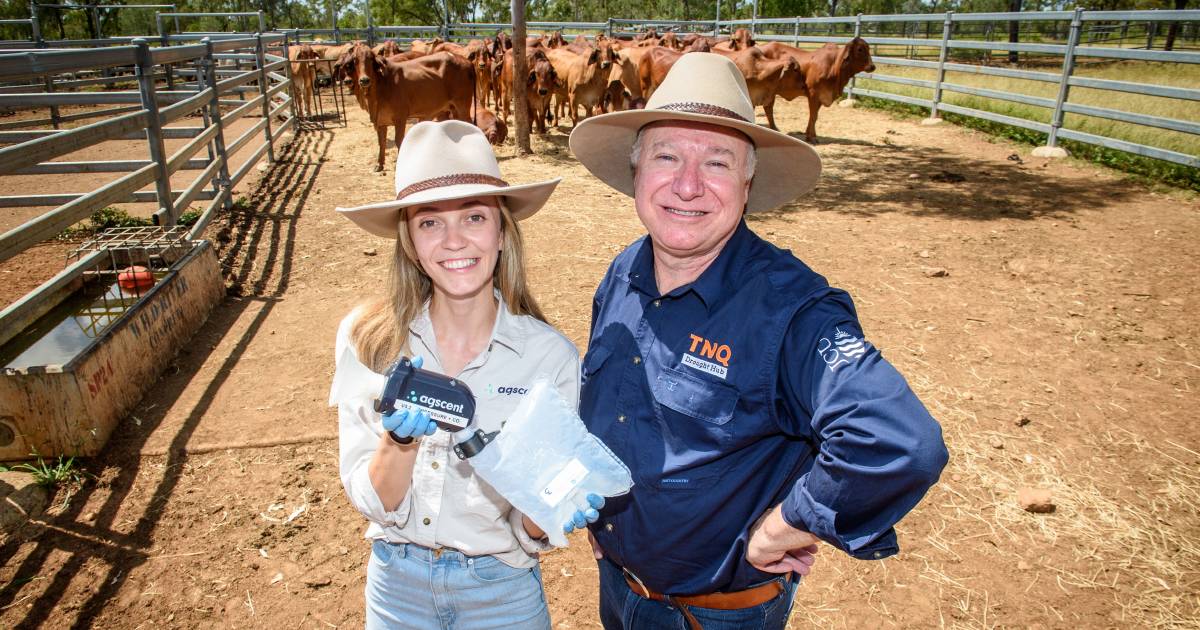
x,y
509,329
713,282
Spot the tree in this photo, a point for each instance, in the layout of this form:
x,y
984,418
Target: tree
x,y
1173,30
1014,30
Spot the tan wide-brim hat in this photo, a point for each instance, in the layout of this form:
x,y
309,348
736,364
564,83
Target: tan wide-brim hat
x,y
700,87
441,161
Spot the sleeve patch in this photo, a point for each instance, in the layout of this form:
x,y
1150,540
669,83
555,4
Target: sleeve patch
x,y
841,348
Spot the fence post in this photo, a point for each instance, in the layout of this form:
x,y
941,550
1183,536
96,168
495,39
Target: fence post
x,y
850,102
754,19
717,23
370,27
1052,149
209,73
796,32
1151,30
947,24
165,215
262,22
35,25
291,85
263,87
608,28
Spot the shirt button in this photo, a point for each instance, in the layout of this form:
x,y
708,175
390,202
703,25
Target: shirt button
x,y
621,418
878,555
435,465
658,302
608,527
425,520
637,360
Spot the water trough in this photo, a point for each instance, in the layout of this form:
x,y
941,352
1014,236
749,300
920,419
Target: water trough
x,y
80,351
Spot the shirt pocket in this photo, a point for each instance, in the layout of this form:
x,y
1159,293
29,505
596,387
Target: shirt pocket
x,y
695,397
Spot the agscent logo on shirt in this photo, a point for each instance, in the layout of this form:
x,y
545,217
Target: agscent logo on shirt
x,y
717,354
506,390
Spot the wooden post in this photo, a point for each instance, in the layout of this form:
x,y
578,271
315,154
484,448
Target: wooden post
x,y
941,72
520,71
165,215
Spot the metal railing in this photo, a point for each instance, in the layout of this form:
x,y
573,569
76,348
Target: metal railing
x,y
145,113
1069,51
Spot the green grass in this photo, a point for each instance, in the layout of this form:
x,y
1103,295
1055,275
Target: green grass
x,y
1177,75
50,474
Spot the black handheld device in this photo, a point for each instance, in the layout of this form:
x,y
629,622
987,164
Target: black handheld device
x,y
448,401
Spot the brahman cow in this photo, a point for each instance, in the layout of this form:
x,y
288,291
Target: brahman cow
x,y
438,85
491,126
826,71
303,72
585,77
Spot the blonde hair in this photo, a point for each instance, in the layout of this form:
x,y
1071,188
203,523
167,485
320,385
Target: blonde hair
x,y
380,333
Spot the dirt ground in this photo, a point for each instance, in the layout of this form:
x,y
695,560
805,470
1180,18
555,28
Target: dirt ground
x,y
1042,311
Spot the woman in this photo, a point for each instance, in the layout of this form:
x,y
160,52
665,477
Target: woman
x,y
448,551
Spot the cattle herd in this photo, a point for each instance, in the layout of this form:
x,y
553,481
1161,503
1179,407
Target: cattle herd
x,y
437,80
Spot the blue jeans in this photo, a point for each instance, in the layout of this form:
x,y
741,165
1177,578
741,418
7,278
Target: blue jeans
x,y
410,586
623,609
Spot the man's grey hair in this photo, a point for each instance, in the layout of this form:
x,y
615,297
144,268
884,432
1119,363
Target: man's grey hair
x,y
636,152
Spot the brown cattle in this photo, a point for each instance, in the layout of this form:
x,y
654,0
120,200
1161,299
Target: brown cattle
x,y
502,43
479,53
556,40
767,77
426,47
653,67
437,86
492,127
741,40
586,78
303,73
387,49
826,71
692,41
329,56
540,87
623,80
670,40
450,47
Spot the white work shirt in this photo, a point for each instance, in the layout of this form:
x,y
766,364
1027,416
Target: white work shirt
x,y
447,505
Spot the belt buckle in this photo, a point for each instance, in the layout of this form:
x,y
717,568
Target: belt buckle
x,y
437,553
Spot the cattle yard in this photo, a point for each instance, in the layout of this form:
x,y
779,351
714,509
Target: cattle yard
x,y
1042,309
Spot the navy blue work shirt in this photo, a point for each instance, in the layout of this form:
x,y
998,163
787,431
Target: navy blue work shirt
x,y
750,387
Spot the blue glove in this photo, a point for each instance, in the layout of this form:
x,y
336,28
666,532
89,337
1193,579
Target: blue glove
x,y
581,518
402,424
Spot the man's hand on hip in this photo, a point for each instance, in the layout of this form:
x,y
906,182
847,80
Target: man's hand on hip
x,y
776,547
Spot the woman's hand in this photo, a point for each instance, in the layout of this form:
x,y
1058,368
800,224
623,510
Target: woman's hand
x,y
403,424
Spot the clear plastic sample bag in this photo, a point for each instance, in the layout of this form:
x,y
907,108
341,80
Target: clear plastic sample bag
x,y
545,463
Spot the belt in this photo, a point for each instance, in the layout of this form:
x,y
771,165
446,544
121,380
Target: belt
x,y
754,596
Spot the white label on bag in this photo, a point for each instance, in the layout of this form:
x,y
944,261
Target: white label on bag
x,y
563,483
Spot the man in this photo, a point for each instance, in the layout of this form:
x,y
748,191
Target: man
x,y
734,382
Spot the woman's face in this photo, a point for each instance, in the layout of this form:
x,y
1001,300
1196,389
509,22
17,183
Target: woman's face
x,y
458,244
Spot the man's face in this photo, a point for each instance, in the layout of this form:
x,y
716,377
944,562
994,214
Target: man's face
x,y
690,186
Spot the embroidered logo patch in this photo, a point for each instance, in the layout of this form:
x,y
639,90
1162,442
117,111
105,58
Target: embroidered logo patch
x,y
843,348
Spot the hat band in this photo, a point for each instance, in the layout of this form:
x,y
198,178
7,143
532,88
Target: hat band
x,y
702,108
450,180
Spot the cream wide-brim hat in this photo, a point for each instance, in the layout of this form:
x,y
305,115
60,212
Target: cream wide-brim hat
x,y
700,87
442,161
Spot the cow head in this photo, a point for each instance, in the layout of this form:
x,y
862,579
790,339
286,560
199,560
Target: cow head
x,y
607,56
670,41
791,82
307,52
359,66
700,45
556,40
741,40
542,77
855,57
